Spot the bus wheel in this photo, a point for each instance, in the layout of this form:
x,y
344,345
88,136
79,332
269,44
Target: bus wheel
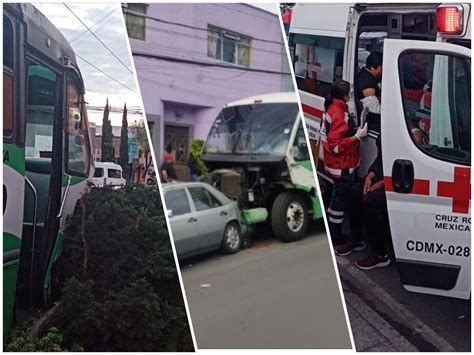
x,y
289,216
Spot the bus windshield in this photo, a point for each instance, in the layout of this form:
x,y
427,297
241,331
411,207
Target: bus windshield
x,y
261,129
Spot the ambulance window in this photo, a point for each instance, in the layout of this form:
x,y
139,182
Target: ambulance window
x,y
317,61
436,98
369,42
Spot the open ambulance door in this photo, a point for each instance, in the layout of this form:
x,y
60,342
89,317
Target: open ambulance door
x,y
426,151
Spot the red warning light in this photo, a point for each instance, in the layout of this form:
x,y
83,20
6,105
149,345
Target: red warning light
x,y
449,20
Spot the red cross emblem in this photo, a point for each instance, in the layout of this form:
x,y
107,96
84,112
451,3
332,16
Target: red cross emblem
x,y
459,190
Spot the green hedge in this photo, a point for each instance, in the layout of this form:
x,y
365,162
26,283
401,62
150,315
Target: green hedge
x,y
121,290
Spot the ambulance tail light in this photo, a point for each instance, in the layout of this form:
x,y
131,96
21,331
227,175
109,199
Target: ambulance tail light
x,y
449,19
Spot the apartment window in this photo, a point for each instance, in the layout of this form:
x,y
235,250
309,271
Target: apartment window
x,y
228,46
136,21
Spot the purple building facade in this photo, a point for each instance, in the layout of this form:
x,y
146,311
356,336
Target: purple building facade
x,y
191,59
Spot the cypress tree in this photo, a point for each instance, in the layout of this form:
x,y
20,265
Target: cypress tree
x,y
123,160
107,145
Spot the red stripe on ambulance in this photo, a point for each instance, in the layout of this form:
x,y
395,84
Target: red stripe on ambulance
x,y
459,190
313,111
420,186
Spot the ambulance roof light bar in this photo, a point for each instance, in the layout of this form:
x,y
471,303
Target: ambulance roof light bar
x,y
449,19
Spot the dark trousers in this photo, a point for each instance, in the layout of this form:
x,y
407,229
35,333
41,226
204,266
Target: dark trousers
x,y
338,205
369,212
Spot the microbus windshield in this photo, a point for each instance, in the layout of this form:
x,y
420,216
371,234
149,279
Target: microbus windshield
x,y
257,129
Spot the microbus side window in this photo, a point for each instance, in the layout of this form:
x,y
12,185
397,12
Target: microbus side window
x,y
77,159
114,173
436,91
317,61
41,102
8,87
301,143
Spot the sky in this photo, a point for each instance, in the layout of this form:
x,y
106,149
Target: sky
x,y
108,26
105,20
270,7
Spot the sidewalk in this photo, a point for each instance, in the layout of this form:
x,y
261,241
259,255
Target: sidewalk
x,y
378,321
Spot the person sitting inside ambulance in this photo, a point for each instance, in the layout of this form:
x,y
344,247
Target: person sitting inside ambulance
x,y
368,89
368,211
340,139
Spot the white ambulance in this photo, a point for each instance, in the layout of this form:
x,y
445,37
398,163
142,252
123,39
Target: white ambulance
x,y
425,122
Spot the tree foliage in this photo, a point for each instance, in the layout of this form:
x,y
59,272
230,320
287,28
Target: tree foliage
x,y
51,341
107,144
123,160
121,289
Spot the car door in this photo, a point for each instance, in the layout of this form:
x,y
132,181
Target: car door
x,y
211,216
182,220
426,143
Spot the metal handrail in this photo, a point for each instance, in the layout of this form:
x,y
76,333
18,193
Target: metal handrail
x,y
35,210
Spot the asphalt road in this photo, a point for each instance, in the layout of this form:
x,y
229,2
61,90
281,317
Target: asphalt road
x,y
271,295
427,322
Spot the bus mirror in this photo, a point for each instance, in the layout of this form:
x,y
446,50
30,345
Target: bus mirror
x,y
295,152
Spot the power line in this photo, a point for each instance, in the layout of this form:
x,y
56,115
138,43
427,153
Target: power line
x,y
205,64
194,27
125,66
110,76
188,35
95,24
80,29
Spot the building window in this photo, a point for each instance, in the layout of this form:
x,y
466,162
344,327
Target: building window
x,y
228,46
135,19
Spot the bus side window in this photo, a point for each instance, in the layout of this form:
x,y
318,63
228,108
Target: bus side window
x,y
77,158
40,111
436,99
8,88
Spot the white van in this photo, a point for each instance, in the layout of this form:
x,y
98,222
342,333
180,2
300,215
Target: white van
x,y
108,174
426,85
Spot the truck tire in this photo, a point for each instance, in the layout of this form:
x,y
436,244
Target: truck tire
x,y
289,218
232,239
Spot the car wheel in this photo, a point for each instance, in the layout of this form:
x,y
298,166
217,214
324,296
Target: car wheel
x,y
232,239
289,217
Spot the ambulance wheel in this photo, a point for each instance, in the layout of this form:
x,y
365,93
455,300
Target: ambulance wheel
x,y
289,216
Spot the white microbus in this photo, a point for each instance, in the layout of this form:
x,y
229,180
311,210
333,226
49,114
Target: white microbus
x,y
426,87
107,173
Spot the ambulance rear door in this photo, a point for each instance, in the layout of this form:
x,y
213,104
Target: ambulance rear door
x,y
426,151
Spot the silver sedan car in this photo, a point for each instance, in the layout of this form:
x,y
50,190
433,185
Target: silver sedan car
x,y
202,219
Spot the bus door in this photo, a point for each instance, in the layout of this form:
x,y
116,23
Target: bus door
x,y
43,171
13,170
74,173
426,145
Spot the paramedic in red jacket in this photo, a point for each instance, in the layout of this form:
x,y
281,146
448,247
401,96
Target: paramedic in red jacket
x,y
340,138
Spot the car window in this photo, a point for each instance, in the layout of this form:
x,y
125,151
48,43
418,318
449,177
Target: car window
x,y
203,199
177,202
98,172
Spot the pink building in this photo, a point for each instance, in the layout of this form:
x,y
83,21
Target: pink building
x,y
193,58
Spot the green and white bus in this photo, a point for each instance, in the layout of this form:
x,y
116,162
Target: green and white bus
x,y
46,153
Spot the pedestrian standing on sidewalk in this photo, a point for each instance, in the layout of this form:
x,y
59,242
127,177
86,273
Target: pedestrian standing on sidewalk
x,y
368,211
193,165
340,138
